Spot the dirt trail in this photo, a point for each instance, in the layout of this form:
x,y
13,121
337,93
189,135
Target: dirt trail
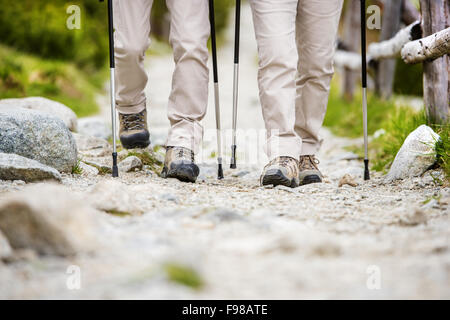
x,y
374,240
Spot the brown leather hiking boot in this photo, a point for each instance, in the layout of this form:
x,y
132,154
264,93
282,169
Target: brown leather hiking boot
x,y
179,163
133,132
309,172
281,171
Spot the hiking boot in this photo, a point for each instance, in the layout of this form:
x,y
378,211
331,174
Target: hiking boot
x,y
309,172
133,130
179,163
281,171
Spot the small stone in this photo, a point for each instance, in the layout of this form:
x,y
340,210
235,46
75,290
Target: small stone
x,y
240,174
347,179
88,170
102,168
287,189
169,197
225,215
417,216
15,167
130,164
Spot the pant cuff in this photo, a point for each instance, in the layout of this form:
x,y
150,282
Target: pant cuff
x,y
283,146
131,109
186,134
309,149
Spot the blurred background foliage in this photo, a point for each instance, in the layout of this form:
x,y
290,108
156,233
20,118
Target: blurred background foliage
x,y
39,56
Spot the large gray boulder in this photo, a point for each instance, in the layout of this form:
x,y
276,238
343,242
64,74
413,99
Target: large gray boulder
x,y
45,105
38,136
49,219
15,167
416,155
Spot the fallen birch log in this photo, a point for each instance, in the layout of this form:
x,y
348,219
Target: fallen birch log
x,y
347,59
391,48
427,49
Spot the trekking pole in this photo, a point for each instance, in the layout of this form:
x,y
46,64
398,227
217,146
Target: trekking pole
x,y
216,88
235,81
115,171
364,88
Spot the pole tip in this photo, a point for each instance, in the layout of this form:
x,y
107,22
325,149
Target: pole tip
x,y
366,170
220,172
115,169
233,157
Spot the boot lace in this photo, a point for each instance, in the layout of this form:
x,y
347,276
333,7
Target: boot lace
x,y
286,162
181,153
309,162
134,121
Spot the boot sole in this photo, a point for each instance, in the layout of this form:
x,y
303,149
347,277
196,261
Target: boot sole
x,y
184,173
311,179
276,178
136,144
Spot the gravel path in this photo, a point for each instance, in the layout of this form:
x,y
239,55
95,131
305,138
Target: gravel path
x,y
234,239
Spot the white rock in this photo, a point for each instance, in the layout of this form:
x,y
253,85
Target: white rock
x,y
130,164
94,126
88,170
49,219
415,156
48,106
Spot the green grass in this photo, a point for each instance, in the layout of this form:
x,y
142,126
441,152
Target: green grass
x,y
344,118
77,168
183,275
147,159
24,75
443,150
398,124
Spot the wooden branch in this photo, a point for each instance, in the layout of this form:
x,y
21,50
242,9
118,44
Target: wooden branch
x,y
348,60
427,49
391,48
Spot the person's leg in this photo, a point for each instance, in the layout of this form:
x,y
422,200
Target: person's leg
x,y
189,34
317,26
274,22
131,40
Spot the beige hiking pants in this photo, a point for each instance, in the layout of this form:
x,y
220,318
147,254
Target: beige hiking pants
x,y
296,43
189,33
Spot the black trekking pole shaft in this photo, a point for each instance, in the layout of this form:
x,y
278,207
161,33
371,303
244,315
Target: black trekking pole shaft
x,y
364,88
115,170
235,80
216,88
